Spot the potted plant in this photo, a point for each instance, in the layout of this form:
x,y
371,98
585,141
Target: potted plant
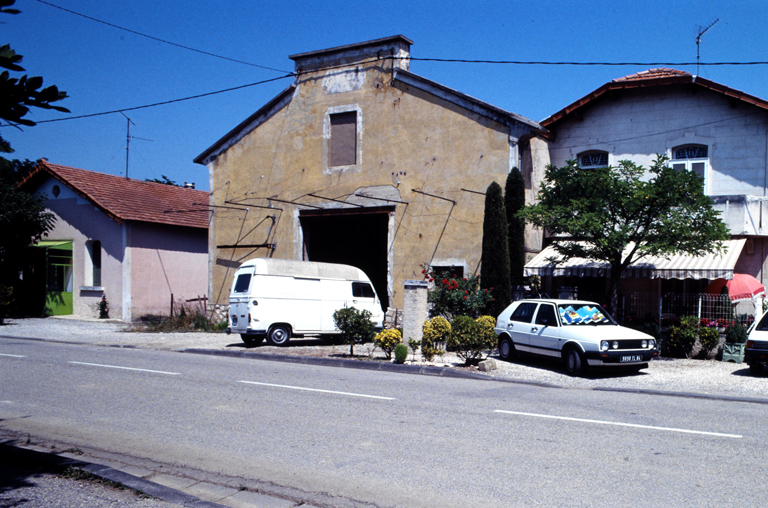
x,y
735,338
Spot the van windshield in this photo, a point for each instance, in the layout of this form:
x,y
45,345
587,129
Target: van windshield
x,y
242,283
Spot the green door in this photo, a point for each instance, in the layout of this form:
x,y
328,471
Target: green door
x,y
59,277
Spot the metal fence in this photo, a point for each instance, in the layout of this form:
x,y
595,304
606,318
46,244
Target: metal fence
x,y
671,306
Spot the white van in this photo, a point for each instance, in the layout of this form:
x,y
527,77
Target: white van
x,y
281,298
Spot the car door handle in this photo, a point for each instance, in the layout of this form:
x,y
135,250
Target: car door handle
x,y
535,329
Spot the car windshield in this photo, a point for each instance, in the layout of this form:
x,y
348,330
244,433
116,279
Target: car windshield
x,y
583,314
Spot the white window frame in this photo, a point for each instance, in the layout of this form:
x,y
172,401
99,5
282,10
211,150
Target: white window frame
x,y
592,166
688,164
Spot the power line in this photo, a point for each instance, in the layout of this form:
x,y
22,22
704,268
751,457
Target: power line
x,y
521,62
164,102
158,39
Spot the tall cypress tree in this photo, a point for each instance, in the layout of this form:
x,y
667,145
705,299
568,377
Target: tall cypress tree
x,y
494,269
514,201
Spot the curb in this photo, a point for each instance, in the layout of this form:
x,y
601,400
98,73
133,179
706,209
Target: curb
x,y
58,463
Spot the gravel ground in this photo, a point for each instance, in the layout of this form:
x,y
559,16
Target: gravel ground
x,y
712,378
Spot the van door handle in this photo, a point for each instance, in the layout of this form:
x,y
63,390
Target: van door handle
x,y
535,329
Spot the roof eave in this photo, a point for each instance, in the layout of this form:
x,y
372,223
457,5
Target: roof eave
x,y
250,123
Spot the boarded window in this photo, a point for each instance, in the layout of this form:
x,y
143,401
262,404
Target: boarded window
x,y
342,148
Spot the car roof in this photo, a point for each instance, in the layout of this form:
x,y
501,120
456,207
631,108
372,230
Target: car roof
x,y
557,301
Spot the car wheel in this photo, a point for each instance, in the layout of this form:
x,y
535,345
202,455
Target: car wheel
x,y
574,363
507,349
279,335
251,340
756,369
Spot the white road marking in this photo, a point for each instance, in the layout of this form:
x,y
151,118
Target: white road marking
x,y
127,368
317,390
620,424
13,356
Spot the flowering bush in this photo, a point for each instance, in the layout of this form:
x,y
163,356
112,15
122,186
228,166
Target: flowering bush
x,y
709,338
471,338
388,340
454,296
434,331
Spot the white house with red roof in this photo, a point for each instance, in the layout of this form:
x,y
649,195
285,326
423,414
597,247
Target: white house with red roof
x,y
702,126
143,245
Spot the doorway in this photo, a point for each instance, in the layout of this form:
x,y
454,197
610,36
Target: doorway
x,y
356,237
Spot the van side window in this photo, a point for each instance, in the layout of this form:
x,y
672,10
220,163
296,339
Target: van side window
x,y
362,290
242,283
524,312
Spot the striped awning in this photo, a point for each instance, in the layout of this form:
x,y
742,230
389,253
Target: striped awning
x,y
710,266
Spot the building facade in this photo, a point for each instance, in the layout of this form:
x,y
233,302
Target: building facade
x,y
362,162
139,244
702,126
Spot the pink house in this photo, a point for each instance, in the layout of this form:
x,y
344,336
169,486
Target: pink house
x,y
142,245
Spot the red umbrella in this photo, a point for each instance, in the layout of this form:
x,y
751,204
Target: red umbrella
x,y
741,287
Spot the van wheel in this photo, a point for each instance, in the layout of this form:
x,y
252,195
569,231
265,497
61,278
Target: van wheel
x,y
252,340
279,335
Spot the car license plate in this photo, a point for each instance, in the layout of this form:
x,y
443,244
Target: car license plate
x,y
631,358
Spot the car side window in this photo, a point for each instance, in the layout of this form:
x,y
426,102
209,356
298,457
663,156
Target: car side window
x,y
546,316
524,312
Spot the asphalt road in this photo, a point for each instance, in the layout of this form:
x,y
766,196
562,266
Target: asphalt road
x,y
354,437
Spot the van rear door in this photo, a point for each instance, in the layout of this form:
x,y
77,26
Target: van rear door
x,y
238,301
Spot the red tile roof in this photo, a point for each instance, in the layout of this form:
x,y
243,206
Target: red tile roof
x,y
124,199
651,78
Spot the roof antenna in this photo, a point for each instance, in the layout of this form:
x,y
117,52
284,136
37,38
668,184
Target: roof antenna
x,y
698,40
128,139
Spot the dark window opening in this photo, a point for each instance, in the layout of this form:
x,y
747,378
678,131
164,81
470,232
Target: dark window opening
x,y
342,147
450,271
96,259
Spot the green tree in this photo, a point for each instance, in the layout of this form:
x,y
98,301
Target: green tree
x,y
622,214
514,201
23,221
17,95
494,267
355,326
165,180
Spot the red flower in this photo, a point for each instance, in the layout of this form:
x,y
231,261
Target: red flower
x,y
445,281
465,297
431,280
465,278
423,271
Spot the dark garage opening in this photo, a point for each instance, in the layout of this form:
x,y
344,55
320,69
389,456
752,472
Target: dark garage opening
x,y
356,237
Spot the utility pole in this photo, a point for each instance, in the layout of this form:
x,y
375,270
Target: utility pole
x,y
128,138
698,40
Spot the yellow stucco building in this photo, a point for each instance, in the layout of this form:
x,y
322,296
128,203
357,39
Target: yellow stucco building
x,y
361,162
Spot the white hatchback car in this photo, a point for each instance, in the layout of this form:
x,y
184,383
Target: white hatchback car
x,y
578,332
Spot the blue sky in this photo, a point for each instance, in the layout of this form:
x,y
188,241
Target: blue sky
x,y
103,68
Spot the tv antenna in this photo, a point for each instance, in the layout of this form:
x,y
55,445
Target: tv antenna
x,y
698,40
128,139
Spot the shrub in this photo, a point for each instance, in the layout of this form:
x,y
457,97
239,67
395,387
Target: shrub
x,y
388,340
434,331
401,353
709,338
682,337
355,326
736,333
471,338
454,296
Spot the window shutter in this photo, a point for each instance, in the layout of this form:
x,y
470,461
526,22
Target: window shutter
x,y
342,148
